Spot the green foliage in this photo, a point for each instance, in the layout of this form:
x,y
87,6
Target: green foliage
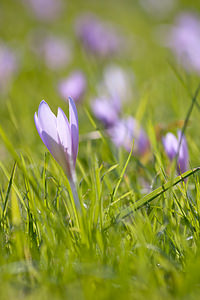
x,y
137,235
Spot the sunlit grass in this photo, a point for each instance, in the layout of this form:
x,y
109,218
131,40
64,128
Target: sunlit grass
x,y
137,234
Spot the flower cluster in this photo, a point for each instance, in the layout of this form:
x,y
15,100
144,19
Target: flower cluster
x,y
114,90
117,86
122,131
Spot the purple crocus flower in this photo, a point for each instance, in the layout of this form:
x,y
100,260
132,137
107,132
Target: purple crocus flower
x,y
45,10
8,66
171,145
59,135
184,40
125,131
106,110
55,51
118,82
97,37
73,86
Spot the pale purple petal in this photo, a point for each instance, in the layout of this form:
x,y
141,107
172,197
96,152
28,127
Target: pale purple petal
x,y
56,133
45,10
48,125
125,131
73,86
8,66
119,82
136,132
170,144
97,36
73,120
143,142
56,51
106,110
183,158
56,150
47,135
184,40
117,133
37,124
64,132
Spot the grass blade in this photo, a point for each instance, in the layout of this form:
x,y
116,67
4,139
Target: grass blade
x,y
121,175
8,190
156,193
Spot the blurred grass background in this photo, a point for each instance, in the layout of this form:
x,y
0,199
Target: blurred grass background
x,y
148,61
153,254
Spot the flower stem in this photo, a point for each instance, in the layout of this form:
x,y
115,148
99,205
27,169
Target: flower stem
x,y
75,194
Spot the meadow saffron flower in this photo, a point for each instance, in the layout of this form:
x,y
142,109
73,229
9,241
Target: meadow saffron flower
x,y
117,82
45,10
56,52
73,86
125,131
8,67
97,37
106,110
60,136
171,146
184,41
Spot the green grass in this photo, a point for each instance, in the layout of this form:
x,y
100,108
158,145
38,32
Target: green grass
x,y
127,243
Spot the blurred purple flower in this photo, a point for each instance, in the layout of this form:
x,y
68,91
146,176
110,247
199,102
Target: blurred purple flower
x,y
55,51
171,144
98,37
60,136
125,131
106,110
8,66
73,86
117,82
45,10
184,40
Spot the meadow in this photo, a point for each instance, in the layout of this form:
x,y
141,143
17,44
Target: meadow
x,y
136,232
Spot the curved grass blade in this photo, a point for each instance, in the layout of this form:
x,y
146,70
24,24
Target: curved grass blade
x,y
13,185
19,160
8,190
122,174
156,193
